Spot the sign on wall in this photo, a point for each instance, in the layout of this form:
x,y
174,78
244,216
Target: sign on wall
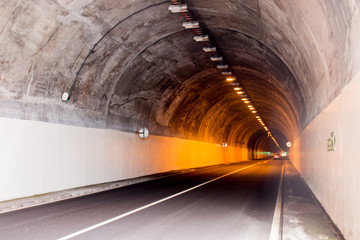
x,y
331,142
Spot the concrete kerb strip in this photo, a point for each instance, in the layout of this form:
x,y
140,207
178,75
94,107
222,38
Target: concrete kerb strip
x,y
27,202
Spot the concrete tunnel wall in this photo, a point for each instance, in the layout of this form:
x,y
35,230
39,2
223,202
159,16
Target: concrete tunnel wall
x,y
333,176
38,157
130,64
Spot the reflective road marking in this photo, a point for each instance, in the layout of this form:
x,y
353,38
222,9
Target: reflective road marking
x,y
149,205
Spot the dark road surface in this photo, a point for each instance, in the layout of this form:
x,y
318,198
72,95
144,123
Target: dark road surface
x,y
237,206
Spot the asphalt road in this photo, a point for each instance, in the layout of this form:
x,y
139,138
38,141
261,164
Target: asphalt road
x,y
229,202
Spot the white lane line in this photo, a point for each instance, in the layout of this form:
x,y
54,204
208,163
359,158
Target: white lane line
x,y
149,205
276,223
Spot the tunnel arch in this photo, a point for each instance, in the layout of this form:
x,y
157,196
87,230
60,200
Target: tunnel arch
x,y
140,67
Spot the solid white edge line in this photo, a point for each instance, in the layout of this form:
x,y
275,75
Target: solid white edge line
x,y
149,205
275,227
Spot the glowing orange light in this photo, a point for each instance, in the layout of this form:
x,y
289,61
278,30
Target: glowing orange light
x,y
237,88
254,111
240,92
245,99
230,79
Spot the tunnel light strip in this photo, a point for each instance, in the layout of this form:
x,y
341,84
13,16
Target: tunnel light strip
x,y
151,204
211,48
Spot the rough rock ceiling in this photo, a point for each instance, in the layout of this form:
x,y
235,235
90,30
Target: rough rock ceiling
x,y
135,65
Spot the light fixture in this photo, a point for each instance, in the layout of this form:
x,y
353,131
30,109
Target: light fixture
x,y
245,99
258,117
189,25
226,73
230,79
143,133
209,49
240,92
222,66
65,97
215,59
237,88
254,111
201,38
250,106
178,8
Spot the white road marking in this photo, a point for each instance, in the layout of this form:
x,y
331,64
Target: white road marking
x,y
275,227
149,205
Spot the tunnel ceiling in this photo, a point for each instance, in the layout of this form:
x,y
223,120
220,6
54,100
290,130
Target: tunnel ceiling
x,y
130,64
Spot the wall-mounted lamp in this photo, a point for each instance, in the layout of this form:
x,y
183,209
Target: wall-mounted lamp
x,y
65,97
143,133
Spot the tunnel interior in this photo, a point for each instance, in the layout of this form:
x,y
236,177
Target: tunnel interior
x,y
79,78
132,64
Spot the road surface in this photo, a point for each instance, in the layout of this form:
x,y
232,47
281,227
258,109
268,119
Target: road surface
x,y
227,202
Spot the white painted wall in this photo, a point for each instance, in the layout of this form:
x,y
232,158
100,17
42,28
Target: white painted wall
x,y
334,177
38,157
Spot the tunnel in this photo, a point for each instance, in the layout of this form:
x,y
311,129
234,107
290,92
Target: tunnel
x,y
213,82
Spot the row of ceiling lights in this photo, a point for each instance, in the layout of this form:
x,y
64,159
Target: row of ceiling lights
x,y
179,7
